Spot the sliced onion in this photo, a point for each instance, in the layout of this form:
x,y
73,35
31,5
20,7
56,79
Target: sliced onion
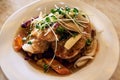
x,y
92,50
82,61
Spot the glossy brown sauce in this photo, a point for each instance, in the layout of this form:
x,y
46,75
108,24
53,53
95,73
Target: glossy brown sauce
x,y
50,71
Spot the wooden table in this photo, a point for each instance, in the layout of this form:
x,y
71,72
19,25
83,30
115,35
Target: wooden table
x,y
110,8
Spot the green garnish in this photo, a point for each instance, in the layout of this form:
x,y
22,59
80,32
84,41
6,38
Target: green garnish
x,y
54,16
74,34
37,26
56,10
47,19
60,30
53,19
75,10
61,11
45,67
29,42
43,26
53,11
67,9
88,42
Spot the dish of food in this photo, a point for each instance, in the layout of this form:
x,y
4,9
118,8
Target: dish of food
x,y
63,40
47,28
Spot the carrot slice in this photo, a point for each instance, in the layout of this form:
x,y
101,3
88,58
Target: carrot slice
x,y
58,67
18,43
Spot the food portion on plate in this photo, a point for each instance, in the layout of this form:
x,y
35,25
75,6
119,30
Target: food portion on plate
x,y
63,40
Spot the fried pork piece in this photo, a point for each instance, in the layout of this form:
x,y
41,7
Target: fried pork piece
x,y
88,28
40,40
63,53
35,46
58,67
46,34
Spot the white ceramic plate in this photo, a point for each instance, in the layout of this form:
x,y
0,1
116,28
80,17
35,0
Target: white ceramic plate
x,y
16,68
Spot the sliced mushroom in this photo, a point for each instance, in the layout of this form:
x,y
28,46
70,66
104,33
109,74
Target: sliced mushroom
x,y
92,48
82,61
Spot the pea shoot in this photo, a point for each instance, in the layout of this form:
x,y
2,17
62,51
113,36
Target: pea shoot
x,y
67,9
37,26
53,19
54,16
53,11
75,10
47,19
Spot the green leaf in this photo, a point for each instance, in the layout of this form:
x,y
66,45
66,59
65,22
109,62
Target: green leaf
x,y
88,42
47,19
53,11
45,67
29,42
60,30
43,26
37,26
61,11
75,10
74,34
67,9
53,19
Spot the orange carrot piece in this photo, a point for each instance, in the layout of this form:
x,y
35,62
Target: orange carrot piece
x,y
18,43
58,67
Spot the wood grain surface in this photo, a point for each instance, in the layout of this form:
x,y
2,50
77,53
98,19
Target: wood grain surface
x,y
111,8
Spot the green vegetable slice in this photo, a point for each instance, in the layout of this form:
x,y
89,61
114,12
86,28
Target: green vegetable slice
x,y
88,42
29,42
47,19
45,67
75,10
60,30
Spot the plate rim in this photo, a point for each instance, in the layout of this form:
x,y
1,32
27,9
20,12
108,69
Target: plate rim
x,y
54,0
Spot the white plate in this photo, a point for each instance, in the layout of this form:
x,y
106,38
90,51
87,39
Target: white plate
x,y
16,68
